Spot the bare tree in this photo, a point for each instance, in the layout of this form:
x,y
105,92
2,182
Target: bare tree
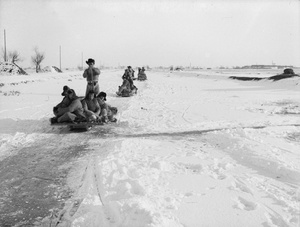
x,y
14,56
37,59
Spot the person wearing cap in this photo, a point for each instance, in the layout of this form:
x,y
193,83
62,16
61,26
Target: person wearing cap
x,y
101,98
65,102
72,111
107,112
91,106
92,76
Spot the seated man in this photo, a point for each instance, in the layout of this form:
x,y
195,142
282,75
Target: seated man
x,y
107,112
125,87
91,106
70,112
65,102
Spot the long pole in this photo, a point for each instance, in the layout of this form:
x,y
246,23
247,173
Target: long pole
x,y
5,46
60,57
81,60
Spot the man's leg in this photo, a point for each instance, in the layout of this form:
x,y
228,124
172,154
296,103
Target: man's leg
x,y
121,88
96,89
103,115
67,117
88,89
90,116
110,115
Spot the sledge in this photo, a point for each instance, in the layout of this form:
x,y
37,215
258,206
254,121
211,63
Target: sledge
x,y
127,94
78,126
142,77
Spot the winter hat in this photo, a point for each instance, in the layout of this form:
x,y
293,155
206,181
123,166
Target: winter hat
x,y
65,90
90,60
70,91
102,94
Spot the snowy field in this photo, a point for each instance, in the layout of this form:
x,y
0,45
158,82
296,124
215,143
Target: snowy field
x,y
190,149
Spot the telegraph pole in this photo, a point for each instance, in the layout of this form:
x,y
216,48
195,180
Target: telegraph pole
x,y
5,46
60,57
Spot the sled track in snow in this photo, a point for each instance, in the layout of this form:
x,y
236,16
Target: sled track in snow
x,y
193,132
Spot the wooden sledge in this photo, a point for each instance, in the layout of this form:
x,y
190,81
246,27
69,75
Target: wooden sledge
x,y
142,77
78,126
128,94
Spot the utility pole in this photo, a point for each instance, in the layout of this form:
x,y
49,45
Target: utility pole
x,y
60,57
5,46
82,60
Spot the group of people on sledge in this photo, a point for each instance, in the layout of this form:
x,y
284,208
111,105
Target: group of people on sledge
x,y
142,74
127,88
91,108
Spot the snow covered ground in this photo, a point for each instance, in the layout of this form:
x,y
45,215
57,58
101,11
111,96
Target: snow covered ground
x,y
190,149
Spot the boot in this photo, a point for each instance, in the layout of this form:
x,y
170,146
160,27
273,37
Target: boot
x,y
53,120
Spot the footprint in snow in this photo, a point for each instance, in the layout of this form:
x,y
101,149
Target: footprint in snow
x,y
194,168
244,204
240,186
219,176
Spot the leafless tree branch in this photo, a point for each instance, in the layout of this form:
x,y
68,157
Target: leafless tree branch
x,y
37,59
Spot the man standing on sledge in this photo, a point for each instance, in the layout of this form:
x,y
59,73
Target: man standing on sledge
x,y
92,76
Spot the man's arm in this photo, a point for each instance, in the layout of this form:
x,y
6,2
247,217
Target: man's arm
x,y
76,104
85,107
85,74
98,109
96,71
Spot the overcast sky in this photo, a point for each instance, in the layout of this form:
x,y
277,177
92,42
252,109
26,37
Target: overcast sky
x,y
205,33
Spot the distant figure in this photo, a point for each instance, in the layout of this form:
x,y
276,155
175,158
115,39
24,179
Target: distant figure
x,y
125,87
142,74
128,75
131,72
91,107
92,76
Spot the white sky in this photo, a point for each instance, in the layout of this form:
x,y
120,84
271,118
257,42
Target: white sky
x,y
205,33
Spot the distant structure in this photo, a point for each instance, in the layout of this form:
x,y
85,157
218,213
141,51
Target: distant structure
x,y
273,66
51,69
9,68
